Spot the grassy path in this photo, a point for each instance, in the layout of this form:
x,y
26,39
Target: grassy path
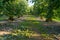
x,y
33,24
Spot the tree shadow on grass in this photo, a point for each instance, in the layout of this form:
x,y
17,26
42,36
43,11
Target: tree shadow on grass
x,y
40,27
46,29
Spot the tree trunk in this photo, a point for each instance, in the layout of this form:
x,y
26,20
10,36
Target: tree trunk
x,y
41,17
11,18
18,17
49,20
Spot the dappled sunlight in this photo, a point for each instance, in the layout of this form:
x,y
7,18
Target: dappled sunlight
x,y
30,29
29,19
17,34
36,22
4,33
26,33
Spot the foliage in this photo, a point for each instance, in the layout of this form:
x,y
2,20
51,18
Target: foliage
x,y
38,8
52,5
15,7
46,8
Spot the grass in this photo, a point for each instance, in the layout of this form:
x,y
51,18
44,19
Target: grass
x,y
24,30
3,18
57,19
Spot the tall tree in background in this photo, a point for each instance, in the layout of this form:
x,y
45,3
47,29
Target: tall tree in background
x,y
21,8
39,8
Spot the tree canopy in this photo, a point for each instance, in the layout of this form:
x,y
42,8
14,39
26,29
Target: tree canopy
x,y
46,7
14,7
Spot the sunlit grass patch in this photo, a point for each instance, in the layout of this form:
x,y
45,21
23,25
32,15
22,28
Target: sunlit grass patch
x,y
17,35
56,19
36,22
26,33
3,18
30,18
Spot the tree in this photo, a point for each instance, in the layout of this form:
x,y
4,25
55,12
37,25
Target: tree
x,y
39,8
21,8
47,7
52,5
15,8
2,3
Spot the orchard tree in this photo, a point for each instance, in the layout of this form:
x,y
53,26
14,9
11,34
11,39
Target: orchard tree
x,y
2,3
52,5
39,8
21,8
15,8
47,7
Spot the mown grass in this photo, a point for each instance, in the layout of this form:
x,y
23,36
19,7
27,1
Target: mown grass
x,y
24,30
3,18
57,19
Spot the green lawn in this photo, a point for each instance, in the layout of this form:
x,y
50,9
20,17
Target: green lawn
x,y
26,28
3,18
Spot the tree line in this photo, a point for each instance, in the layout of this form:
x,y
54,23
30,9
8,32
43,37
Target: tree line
x,y
48,9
